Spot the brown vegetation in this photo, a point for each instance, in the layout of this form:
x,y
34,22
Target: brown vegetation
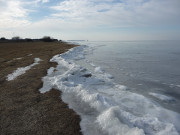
x,y
23,109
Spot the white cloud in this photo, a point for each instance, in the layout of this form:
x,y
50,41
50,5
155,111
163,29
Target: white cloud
x,y
45,1
90,18
122,14
12,14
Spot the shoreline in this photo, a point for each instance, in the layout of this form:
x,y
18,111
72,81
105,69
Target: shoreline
x,y
23,109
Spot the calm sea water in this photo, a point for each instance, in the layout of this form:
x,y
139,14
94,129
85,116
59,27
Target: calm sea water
x,y
143,66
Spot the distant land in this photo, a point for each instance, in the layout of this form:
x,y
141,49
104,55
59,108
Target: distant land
x,y
19,39
77,40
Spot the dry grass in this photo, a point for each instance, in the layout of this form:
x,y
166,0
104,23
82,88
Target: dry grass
x,y
23,110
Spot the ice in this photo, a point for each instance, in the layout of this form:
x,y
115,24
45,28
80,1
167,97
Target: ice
x,y
18,58
109,76
92,64
50,70
98,70
29,55
109,122
21,70
162,97
105,107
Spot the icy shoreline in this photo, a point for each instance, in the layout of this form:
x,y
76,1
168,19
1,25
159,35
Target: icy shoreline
x,y
104,106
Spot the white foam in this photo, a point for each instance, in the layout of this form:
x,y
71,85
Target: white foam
x,y
104,106
162,97
21,70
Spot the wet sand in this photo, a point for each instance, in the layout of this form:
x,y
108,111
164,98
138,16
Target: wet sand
x,y
23,109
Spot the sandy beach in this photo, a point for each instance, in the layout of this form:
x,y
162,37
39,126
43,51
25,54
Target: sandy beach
x,y
23,109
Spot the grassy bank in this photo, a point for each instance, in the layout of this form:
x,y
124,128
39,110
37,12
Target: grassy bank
x,y
23,109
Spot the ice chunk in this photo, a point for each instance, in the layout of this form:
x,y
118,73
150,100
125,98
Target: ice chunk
x,y
110,123
50,70
163,97
98,70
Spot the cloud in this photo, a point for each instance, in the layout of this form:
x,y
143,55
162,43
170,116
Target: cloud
x,y
43,1
12,14
120,14
89,17
15,13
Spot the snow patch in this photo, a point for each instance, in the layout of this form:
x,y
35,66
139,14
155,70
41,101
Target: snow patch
x,y
29,55
21,70
18,58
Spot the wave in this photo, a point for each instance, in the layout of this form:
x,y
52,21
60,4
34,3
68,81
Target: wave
x,y
104,106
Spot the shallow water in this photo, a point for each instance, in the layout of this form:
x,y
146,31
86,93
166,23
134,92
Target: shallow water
x,y
120,87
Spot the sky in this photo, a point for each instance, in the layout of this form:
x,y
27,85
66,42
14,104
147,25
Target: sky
x,y
91,19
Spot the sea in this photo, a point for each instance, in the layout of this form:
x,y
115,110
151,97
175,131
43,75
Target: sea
x,y
120,87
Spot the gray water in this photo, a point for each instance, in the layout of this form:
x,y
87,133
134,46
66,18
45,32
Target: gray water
x,y
142,66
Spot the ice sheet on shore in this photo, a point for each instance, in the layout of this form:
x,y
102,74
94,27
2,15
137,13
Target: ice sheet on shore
x,y
21,70
104,106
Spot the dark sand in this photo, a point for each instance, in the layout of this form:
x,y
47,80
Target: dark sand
x,y
23,109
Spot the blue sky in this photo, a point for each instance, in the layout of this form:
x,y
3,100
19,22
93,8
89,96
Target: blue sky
x,y
91,19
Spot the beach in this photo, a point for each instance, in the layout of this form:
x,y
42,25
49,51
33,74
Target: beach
x,y
59,88
23,109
